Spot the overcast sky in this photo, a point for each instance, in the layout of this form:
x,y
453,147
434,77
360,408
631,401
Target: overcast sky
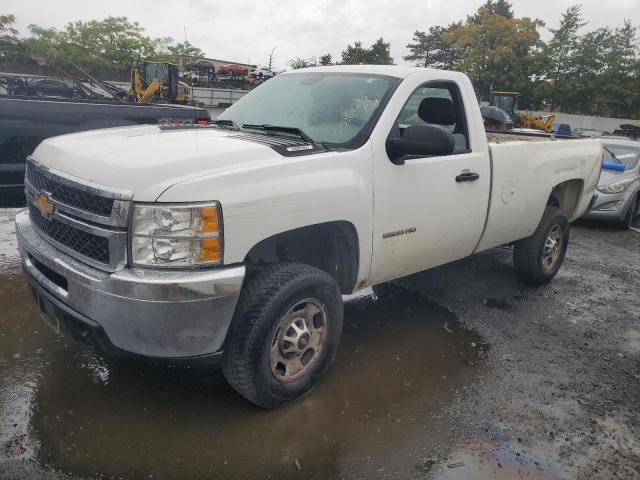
x,y
242,30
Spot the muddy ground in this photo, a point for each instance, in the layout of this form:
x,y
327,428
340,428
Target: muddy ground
x,y
467,375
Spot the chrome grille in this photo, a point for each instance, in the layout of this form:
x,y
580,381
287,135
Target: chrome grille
x,y
86,244
70,196
88,221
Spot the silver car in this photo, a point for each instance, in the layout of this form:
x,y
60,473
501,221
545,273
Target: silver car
x,y
618,194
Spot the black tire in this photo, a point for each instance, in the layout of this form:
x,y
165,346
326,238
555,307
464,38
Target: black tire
x,y
266,300
530,259
632,213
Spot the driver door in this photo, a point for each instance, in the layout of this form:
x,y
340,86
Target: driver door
x,y
425,215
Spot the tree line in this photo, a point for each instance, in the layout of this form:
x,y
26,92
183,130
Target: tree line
x,y
591,72
379,53
106,48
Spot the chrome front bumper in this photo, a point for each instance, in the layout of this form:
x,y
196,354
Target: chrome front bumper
x,y
155,313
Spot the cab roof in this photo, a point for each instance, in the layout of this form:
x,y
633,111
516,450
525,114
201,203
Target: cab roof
x,y
388,70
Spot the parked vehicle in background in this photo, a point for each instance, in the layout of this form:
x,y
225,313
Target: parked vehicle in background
x,y
76,87
158,82
618,195
588,132
237,241
262,73
627,130
233,70
26,121
508,102
47,87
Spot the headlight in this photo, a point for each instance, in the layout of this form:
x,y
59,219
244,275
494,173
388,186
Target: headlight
x,y
166,235
617,187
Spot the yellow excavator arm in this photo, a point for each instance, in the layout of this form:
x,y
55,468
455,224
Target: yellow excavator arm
x,y
152,93
528,120
137,87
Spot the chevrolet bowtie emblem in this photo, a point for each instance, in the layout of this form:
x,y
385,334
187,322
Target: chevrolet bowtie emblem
x,y
45,207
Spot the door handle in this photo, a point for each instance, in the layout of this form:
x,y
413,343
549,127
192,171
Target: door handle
x,y
467,176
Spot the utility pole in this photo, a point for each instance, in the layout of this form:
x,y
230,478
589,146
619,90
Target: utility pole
x,y
186,46
271,57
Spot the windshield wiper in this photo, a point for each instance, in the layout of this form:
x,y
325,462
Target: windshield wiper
x,y
275,129
226,123
613,155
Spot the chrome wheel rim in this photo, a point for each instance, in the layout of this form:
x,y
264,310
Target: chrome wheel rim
x,y
552,248
298,340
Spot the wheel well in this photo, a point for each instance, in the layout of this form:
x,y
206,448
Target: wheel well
x,y
331,247
566,196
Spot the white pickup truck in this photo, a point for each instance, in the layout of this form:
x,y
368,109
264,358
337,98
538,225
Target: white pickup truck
x,y
235,241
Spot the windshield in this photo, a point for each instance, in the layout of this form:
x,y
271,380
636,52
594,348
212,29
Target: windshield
x,y
622,154
507,103
156,72
330,108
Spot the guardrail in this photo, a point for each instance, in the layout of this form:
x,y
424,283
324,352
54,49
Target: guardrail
x,y
217,97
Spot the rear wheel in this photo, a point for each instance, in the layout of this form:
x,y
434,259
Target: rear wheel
x,y
285,332
538,258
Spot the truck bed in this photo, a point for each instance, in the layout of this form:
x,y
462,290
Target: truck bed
x,y
526,168
496,136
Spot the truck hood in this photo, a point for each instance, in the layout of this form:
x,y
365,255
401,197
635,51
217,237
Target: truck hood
x,y
148,159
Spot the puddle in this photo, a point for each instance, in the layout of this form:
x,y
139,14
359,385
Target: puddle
x,y
379,407
480,459
8,242
22,346
377,412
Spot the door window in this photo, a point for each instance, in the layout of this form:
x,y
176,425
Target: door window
x,y
436,104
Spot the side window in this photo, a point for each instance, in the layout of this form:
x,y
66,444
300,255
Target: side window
x,y
436,104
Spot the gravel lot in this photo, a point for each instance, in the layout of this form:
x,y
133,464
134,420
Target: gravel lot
x,y
466,375
563,393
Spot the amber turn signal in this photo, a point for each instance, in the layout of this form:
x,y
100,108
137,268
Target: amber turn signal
x,y
211,251
210,221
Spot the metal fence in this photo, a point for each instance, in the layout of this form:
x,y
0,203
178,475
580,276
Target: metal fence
x,y
217,97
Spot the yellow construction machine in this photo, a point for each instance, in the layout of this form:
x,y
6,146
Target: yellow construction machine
x,y
159,83
508,102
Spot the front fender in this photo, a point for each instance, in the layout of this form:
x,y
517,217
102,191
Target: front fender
x,y
262,200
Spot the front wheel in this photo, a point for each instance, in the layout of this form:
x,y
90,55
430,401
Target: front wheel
x,y
538,258
285,332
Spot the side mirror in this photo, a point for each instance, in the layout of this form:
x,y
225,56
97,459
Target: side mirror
x,y
420,140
